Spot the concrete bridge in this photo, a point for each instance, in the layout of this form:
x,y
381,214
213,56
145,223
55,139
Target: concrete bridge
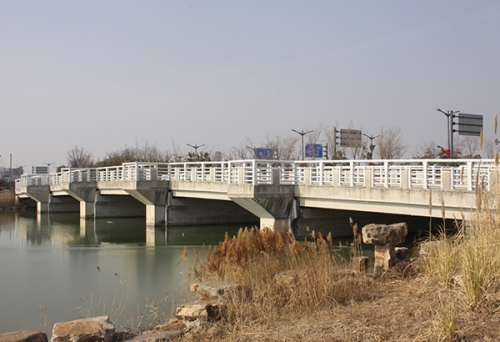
x,y
274,192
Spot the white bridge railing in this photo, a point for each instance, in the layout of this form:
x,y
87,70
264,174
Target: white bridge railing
x,y
442,174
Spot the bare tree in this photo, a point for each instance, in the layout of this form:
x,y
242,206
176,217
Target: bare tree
x,y
78,157
468,146
488,149
283,147
243,151
429,150
390,143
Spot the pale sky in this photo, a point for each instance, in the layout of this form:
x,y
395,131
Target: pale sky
x,y
103,75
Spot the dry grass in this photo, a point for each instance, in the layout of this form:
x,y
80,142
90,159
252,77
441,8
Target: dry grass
x,y
7,199
456,297
314,278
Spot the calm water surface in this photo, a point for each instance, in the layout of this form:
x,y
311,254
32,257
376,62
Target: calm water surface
x,y
56,268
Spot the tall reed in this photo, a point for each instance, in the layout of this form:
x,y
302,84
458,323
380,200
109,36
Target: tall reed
x,y
473,259
256,259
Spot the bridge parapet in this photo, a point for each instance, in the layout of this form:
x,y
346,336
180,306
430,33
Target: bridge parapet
x,y
439,174
403,174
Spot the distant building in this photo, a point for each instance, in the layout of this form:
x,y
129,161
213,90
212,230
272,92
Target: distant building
x,y
5,173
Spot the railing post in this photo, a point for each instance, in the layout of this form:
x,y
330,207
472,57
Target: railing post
x,y
307,176
254,172
368,178
386,174
425,182
446,180
404,178
470,177
321,171
336,175
351,180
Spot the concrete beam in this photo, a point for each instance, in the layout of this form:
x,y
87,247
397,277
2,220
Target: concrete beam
x,y
194,211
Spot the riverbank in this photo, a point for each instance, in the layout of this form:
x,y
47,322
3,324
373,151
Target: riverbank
x,y
399,309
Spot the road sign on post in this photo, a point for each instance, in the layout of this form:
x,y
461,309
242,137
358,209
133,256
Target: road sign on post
x,y
469,124
264,153
314,151
350,138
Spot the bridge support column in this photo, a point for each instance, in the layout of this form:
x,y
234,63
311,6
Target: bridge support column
x,y
273,204
41,195
85,192
156,236
156,215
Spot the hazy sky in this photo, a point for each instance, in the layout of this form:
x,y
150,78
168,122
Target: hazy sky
x,y
103,75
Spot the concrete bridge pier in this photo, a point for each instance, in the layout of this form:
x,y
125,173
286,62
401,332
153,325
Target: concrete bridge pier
x,y
40,194
275,205
156,236
85,192
154,196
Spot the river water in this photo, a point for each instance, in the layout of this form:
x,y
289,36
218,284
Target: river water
x,y
56,268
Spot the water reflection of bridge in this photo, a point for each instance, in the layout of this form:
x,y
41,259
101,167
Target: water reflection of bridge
x,y
272,192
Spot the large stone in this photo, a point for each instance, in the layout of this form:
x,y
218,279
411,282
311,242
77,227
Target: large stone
x,y
23,336
359,264
94,329
211,291
200,310
385,234
385,258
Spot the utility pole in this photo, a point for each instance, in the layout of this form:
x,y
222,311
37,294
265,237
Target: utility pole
x,y
10,176
302,133
450,115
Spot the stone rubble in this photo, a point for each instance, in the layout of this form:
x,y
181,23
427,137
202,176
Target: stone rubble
x,y
24,336
189,316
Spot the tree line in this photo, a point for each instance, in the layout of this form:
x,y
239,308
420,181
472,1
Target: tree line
x,y
387,144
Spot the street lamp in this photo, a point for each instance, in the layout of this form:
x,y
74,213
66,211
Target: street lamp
x,y
196,147
302,133
48,164
372,147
